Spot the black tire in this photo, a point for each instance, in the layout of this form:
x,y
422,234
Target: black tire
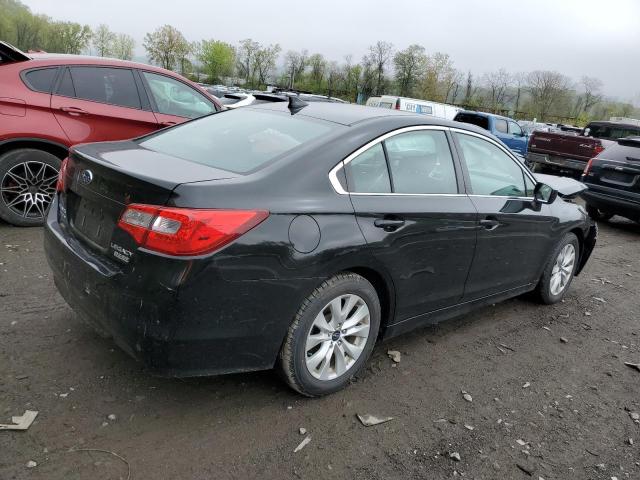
x,y
292,362
25,204
598,214
544,288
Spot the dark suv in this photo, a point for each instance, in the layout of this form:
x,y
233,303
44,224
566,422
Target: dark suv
x,y
613,178
49,102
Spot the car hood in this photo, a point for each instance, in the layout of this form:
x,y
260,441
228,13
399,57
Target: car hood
x,y
565,186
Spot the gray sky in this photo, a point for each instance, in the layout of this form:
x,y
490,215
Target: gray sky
x,y
600,38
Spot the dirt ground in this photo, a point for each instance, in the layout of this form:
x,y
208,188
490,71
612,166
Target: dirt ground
x,y
551,396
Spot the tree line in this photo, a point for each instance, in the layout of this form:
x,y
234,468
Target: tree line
x,y
411,71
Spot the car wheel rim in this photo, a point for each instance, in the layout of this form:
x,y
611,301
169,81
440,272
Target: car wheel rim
x,y
27,189
337,337
562,269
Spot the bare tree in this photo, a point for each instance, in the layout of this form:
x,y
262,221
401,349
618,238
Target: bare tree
x,y
592,92
378,56
410,64
245,57
295,63
519,81
497,84
265,61
547,89
469,91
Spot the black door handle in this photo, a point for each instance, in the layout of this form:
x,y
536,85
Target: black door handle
x,y
389,224
490,223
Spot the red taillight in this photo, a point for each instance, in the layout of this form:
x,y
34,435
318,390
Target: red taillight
x,y
185,231
588,167
597,149
398,104
62,173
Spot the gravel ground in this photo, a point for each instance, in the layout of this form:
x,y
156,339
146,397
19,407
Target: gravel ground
x,y
551,396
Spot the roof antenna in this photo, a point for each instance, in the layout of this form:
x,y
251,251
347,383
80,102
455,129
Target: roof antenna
x,y
296,104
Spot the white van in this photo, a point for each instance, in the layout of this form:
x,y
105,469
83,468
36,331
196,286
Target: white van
x,y
415,105
373,102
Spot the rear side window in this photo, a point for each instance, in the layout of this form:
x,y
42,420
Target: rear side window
x,y
514,129
501,125
368,173
66,88
478,120
115,86
421,162
41,80
239,140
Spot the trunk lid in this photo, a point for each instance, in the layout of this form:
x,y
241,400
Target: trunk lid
x,y
102,178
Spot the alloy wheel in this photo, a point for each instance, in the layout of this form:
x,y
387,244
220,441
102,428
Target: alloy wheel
x,y
337,337
562,269
28,188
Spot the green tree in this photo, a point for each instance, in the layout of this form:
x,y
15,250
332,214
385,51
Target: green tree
x,y
166,46
410,66
67,37
103,41
217,58
123,46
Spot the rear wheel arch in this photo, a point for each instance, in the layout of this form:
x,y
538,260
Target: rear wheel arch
x,y
384,288
57,149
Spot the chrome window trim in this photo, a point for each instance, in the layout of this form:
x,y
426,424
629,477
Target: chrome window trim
x,y
333,174
505,150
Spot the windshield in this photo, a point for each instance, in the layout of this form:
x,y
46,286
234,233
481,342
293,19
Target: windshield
x,y
238,141
612,132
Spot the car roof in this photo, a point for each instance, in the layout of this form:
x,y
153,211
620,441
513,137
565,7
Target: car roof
x,y
609,123
49,59
349,114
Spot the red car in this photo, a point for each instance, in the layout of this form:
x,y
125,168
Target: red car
x,y
49,102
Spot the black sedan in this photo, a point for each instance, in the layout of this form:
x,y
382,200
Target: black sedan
x,y
295,236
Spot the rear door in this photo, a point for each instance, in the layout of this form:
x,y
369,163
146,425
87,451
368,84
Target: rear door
x,y
515,233
173,101
406,191
95,103
517,140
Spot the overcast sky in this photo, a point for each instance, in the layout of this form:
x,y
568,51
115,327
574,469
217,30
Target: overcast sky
x,y
600,38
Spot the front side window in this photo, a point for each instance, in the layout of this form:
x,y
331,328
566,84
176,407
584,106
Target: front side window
x,y
491,170
368,173
175,98
239,141
115,86
514,129
421,162
501,125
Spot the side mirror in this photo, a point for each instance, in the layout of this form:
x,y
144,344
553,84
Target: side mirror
x,y
543,193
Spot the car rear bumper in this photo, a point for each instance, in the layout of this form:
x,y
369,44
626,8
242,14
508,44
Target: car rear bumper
x,y
555,161
213,326
612,202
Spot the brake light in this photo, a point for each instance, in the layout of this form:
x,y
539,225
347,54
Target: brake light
x,y
397,104
597,149
61,184
185,231
588,167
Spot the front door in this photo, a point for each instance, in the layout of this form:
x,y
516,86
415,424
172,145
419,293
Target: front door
x,y
514,231
94,104
406,192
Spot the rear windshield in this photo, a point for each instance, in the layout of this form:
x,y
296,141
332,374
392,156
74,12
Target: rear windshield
x,y
239,141
478,120
612,132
